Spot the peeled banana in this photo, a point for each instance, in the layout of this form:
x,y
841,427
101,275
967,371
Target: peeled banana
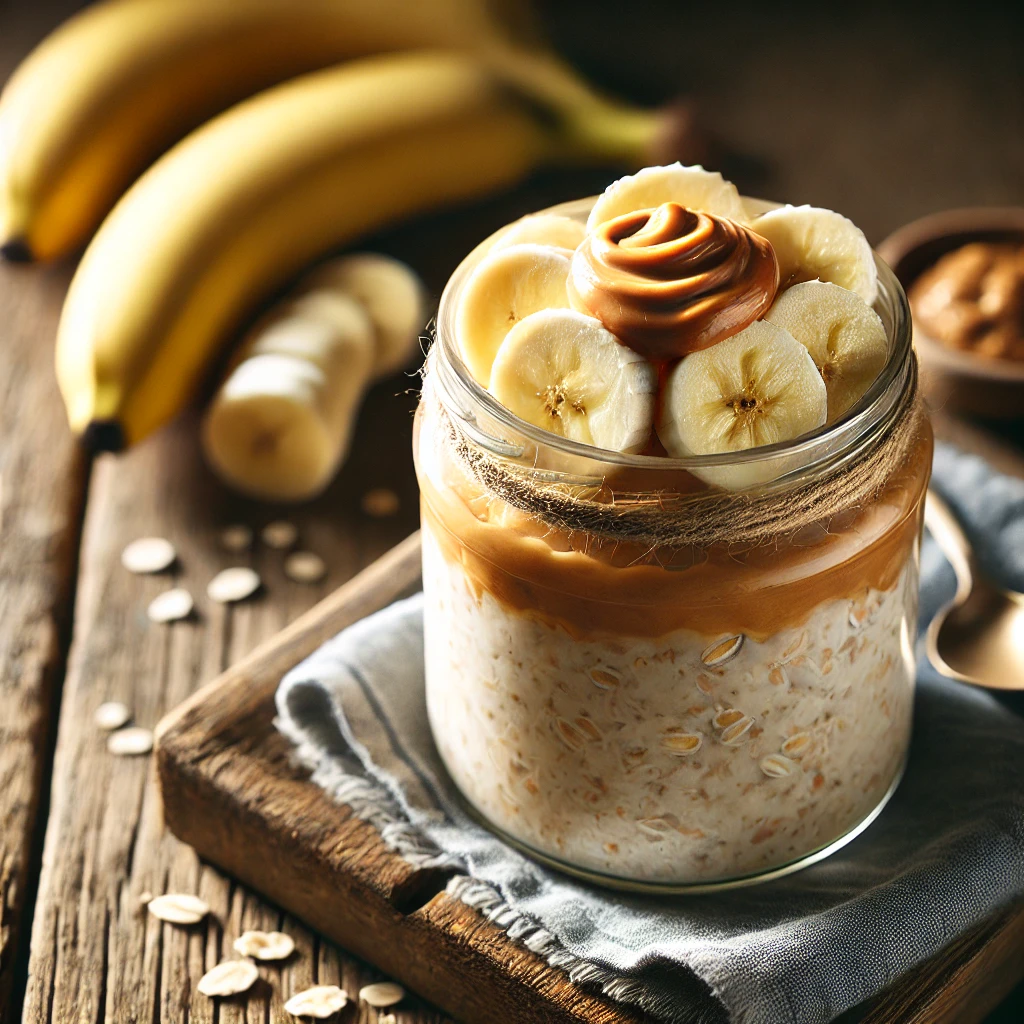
x,y
244,203
279,426
118,83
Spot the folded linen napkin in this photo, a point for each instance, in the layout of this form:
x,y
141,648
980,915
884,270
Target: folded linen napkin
x,y
946,852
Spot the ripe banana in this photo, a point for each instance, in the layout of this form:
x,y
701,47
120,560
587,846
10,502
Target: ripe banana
x,y
757,388
692,187
114,86
508,285
279,426
564,372
844,335
543,229
252,197
811,243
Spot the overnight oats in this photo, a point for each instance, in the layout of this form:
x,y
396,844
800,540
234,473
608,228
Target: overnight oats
x,y
672,466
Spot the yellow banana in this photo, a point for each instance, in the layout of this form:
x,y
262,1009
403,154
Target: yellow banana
x,y
248,200
117,84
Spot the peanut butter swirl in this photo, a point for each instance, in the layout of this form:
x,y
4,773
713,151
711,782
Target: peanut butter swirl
x,y
670,281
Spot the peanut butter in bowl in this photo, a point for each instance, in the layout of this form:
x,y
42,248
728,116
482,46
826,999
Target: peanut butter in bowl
x,y
972,300
672,482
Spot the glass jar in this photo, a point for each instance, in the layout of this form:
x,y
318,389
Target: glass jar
x,y
650,711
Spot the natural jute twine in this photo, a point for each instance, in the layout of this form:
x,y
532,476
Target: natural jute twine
x,y
702,519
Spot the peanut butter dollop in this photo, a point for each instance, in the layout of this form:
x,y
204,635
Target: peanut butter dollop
x,y
671,281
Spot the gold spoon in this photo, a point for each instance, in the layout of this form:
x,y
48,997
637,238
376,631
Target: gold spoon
x,y
978,636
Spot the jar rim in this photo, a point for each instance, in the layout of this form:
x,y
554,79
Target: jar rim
x,y
871,415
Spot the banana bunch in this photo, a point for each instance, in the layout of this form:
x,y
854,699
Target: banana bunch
x,y
295,155
123,80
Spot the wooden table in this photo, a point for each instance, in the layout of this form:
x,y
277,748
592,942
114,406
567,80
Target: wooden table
x,y
882,117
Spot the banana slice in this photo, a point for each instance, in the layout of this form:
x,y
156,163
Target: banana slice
x,y
563,371
845,337
543,229
393,296
813,243
692,187
281,422
510,284
756,388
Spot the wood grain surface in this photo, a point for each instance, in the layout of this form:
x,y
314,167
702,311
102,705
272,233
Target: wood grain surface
x,y
881,113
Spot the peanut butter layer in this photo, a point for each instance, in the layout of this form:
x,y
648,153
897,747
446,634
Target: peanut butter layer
x,y
593,587
670,281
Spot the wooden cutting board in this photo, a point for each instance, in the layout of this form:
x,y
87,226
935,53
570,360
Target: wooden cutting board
x,y
231,790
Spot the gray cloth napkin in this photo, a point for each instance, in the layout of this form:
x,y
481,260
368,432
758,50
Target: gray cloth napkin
x,y
946,852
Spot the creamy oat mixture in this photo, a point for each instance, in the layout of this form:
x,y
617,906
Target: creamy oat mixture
x,y
688,758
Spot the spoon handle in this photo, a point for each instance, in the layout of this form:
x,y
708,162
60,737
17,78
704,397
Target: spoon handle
x,y
952,541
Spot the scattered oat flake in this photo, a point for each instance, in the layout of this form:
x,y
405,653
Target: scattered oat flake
x,y
736,733
681,743
236,538
178,908
321,1001
279,534
304,567
231,585
229,978
386,1018
604,679
111,715
797,745
171,606
728,717
265,945
722,651
380,503
148,554
130,742
145,897
777,766
382,994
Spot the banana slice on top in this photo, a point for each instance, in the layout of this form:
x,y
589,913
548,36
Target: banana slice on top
x,y
756,388
507,286
845,337
543,229
692,187
563,371
811,243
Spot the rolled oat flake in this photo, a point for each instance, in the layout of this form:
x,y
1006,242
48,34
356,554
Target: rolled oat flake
x,y
148,554
229,978
111,715
231,585
304,567
132,742
178,908
321,1001
381,994
171,606
265,945
236,538
279,534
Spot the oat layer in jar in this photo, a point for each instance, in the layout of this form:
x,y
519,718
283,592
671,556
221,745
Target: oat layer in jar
x,y
670,672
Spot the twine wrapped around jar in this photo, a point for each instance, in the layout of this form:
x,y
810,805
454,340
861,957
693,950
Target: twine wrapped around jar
x,y
699,519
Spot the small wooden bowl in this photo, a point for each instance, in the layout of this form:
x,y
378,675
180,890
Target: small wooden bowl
x,y
952,380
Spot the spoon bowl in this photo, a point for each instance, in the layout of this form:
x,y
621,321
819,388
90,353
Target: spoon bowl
x,y
978,636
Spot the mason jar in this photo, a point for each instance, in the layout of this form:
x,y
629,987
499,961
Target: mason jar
x,y
678,674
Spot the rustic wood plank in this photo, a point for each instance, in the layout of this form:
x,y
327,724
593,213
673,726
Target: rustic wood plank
x,y
42,493
95,950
